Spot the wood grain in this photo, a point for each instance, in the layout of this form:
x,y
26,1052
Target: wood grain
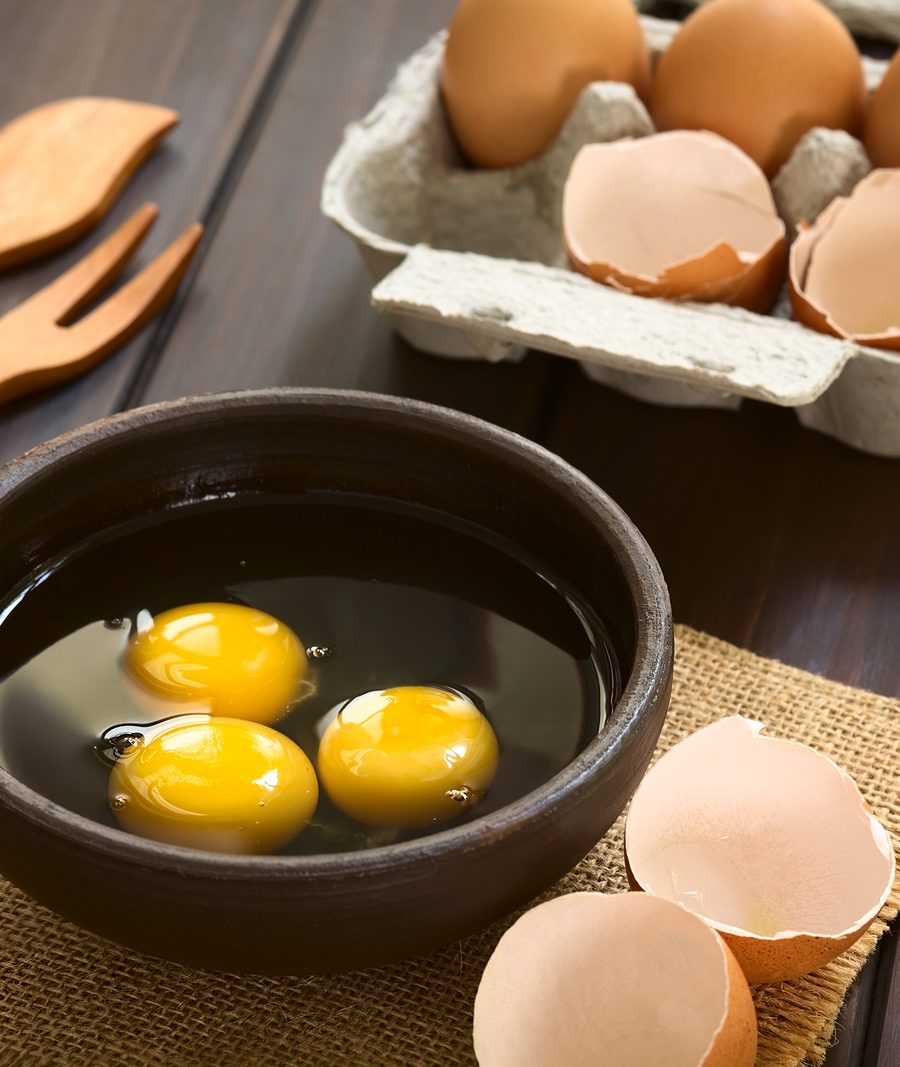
x,y
281,298
205,59
883,1043
852,1029
770,536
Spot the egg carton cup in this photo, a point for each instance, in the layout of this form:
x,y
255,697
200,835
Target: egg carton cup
x,y
869,18
470,264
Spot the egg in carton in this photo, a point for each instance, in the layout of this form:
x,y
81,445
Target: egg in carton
x,y
870,18
471,263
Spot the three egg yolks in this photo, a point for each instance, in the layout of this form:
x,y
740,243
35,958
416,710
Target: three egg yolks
x,y
223,785
226,659
407,757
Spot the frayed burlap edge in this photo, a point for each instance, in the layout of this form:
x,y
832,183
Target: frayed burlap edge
x,y
68,998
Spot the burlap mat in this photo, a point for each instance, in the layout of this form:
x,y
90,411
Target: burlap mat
x,y
68,998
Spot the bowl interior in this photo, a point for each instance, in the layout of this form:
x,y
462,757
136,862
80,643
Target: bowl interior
x,y
132,467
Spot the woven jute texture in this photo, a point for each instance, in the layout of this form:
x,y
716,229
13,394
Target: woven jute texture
x,y
68,998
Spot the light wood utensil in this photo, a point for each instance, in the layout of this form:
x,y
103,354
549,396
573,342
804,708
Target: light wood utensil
x,y
63,165
38,348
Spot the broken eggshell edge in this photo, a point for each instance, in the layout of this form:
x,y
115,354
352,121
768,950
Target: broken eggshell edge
x,y
787,954
809,311
718,273
542,958
402,151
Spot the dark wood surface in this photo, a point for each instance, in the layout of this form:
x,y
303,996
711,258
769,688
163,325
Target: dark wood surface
x,y
208,61
770,536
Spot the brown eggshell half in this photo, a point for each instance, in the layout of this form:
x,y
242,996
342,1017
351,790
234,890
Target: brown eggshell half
x,y
613,981
844,270
682,215
767,840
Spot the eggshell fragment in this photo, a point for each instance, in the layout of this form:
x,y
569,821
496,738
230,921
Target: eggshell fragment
x,y
844,269
882,135
613,981
513,69
761,73
767,840
715,236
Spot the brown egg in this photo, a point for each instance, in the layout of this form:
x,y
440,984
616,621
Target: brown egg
x,y
761,73
883,119
613,981
844,268
715,235
513,69
767,840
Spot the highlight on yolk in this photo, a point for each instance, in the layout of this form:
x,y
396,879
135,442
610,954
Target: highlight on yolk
x,y
407,757
227,659
222,785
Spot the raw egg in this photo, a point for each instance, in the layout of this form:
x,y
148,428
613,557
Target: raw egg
x,y
844,268
767,840
223,785
714,236
613,981
407,757
514,68
227,659
883,119
761,73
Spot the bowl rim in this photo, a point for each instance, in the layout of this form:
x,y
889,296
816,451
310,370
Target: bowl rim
x,y
642,574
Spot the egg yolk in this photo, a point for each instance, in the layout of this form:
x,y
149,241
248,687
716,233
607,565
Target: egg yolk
x,y
223,785
229,659
407,757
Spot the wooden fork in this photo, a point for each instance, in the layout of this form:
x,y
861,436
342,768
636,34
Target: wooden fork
x,y
38,348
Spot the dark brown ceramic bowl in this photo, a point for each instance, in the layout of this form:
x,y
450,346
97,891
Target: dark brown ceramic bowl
x,y
302,914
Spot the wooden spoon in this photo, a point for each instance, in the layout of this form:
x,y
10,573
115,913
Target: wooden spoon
x,y
63,165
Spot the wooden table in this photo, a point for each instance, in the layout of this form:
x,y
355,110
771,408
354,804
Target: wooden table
x,y
771,536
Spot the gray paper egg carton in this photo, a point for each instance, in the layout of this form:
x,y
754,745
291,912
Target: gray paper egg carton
x,y
470,264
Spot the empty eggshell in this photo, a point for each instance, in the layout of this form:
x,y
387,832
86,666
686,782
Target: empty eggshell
x,y
767,840
883,119
844,269
761,73
714,236
613,981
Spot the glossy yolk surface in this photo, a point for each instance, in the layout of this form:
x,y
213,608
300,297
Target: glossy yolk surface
x,y
224,785
225,658
407,757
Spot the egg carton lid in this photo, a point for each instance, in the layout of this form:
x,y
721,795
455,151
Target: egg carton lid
x,y
558,311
